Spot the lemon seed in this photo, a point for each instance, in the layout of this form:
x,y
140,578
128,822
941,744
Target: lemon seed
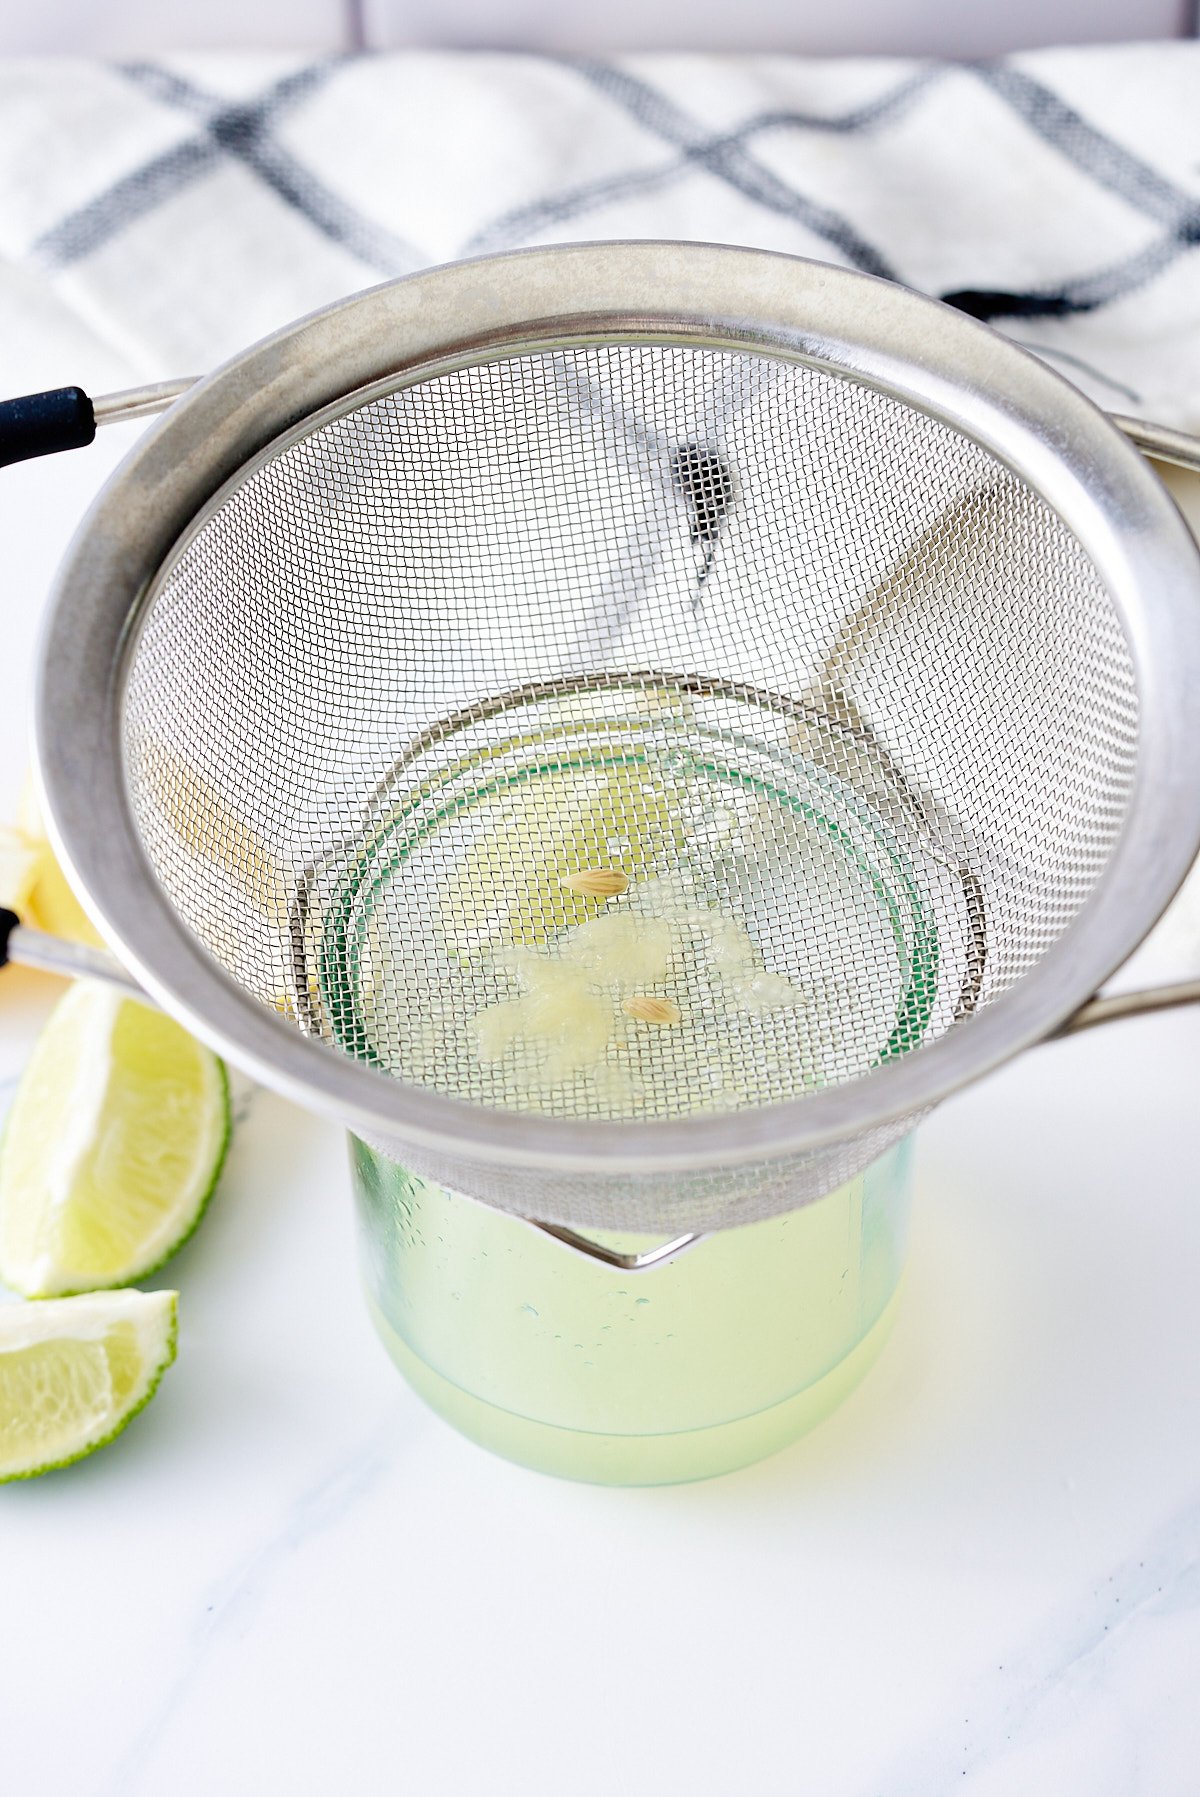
x,y
597,882
647,1009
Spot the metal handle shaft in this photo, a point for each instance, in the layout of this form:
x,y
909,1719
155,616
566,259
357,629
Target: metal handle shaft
x,y
1160,441
1110,1007
139,402
55,954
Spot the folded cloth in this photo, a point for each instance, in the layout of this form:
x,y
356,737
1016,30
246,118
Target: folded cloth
x,y
156,217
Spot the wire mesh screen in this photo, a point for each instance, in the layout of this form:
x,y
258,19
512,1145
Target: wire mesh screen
x,y
627,732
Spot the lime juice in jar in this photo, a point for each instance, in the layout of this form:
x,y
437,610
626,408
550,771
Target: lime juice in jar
x,y
677,1372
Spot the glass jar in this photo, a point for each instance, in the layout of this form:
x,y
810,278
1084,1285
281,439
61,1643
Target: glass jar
x,y
683,1370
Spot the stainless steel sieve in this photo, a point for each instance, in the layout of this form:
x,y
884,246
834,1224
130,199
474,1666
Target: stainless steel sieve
x,y
832,618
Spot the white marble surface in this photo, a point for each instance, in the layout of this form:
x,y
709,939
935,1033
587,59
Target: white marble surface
x,y
982,1576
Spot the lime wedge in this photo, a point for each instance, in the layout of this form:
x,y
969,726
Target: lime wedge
x,y
113,1146
75,1371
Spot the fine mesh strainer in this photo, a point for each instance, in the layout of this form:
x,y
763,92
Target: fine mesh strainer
x,y
859,647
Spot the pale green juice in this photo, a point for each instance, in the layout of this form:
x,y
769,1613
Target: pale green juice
x,y
678,1372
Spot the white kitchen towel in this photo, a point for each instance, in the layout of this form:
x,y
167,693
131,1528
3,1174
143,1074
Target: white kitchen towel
x,y
155,217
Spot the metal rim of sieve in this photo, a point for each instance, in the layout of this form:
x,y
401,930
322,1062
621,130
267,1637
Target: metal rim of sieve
x,y
702,296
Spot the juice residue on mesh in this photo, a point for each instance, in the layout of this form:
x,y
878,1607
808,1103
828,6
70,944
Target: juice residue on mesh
x,y
508,889
568,963
567,1014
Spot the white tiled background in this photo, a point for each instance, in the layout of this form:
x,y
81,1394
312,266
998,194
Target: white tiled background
x,y
921,27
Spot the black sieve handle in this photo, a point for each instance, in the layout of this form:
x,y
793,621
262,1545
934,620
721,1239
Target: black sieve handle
x,y
44,423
